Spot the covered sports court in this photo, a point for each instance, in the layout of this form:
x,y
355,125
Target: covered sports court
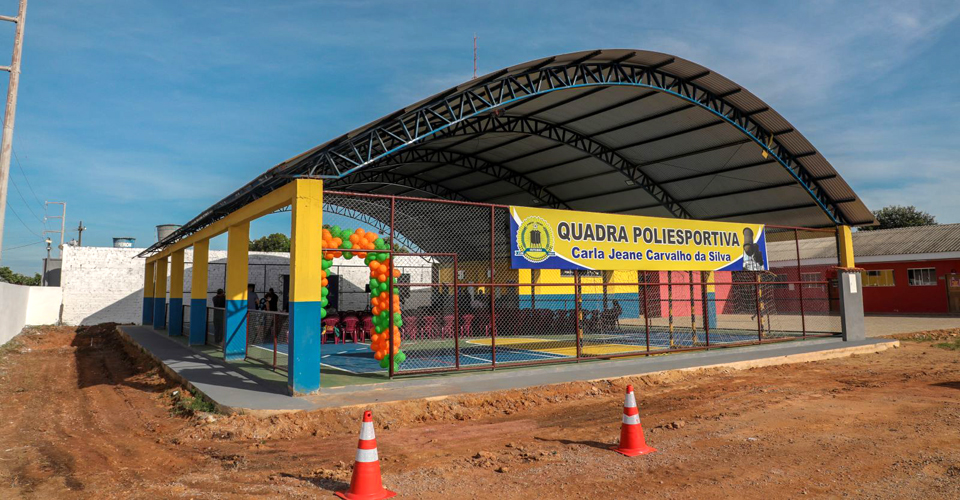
x,y
602,134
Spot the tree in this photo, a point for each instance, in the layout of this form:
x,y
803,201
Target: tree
x,y
7,275
276,242
897,216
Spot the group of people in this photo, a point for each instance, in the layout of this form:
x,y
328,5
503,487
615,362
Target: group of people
x,y
269,302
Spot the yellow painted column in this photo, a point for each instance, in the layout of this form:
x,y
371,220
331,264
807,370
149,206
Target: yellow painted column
x,y
306,222
176,293
160,294
238,244
198,292
148,271
845,237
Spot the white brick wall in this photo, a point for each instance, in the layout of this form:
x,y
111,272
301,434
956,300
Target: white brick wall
x,y
106,284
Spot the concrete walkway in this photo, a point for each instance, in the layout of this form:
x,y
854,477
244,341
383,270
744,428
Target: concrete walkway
x,y
235,391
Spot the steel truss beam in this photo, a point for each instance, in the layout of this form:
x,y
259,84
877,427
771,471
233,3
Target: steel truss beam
x,y
475,164
562,136
388,137
382,177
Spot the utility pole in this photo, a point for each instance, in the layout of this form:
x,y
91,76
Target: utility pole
x,y
6,142
62,217
80,230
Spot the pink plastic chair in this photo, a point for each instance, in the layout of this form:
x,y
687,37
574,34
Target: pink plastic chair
x,y
429,326
350,326
410,330
367,328
447,331
466,325
328,325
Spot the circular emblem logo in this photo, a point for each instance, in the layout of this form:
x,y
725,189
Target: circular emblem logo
x,y
534,240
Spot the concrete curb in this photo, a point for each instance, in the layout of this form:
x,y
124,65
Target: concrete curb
x,y
807,357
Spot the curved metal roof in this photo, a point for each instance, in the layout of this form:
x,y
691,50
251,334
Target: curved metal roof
x,y
617,131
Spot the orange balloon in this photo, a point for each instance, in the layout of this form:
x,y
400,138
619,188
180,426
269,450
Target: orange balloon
x,y
374,264
354,238
382,277
396,273
378,355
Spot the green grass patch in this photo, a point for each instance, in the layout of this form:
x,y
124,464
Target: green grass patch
x,y
953,345
184,404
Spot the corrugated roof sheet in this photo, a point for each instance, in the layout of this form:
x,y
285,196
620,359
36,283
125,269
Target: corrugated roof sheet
x,y
878,243
641,124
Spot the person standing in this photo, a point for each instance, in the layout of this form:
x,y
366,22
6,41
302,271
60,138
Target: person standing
x,y
272,299
219,305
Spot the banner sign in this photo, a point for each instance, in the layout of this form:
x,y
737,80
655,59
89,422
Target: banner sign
x,y
563,239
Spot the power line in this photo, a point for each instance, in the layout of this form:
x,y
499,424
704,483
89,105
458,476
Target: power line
x,y
17,188
25,176
24,246
21,220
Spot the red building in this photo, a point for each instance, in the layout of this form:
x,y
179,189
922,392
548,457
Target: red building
x,y
906,270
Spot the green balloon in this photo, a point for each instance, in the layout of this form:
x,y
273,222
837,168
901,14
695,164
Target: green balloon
x,y
380,328
325,264
384,362
347,255
323,313
384,314
401,357
324,302
324,292
397,321
346,244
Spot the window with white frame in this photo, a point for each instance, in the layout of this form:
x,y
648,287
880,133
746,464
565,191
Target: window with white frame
x,y
812,277
878,277
926,276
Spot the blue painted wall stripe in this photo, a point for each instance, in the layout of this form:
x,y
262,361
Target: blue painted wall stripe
x,y
176,316
235,341
147,311
198,321
159,313
303,376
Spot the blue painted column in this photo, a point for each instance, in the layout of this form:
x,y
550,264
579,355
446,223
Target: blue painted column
x,y
306,221
238,243
198,293
147,318
160,295
176,294
712,298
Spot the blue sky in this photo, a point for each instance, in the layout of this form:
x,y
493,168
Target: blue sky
x,y
138,112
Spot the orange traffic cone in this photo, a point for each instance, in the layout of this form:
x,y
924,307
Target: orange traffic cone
x,y
365,483
632,442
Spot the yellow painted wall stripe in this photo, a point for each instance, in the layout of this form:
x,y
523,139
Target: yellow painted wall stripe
x,y
148,279
846,246
269,203
201,258
238,244
306,244
176,275
160,283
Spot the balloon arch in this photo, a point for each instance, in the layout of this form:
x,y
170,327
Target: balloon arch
x,y
374,251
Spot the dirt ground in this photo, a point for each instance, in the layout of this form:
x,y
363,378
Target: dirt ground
x,y
81,416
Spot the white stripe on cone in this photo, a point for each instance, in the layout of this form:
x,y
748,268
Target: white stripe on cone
x,y
631,419
366,431
367,455
630,401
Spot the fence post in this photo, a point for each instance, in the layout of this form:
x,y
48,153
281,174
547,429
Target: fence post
x,y
390,355
756,295
493,302
456,313
642,278
803,318
577,310
706,306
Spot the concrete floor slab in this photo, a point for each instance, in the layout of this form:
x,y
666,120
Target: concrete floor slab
x,y
236,391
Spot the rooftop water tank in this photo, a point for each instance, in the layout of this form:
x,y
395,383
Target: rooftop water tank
x,y
124,242
164,230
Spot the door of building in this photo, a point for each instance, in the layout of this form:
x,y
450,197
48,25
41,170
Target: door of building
x,y
833,294
953,292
